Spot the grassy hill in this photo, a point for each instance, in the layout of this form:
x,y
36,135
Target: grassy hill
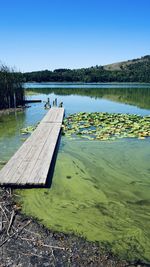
x,y
124,65
136,70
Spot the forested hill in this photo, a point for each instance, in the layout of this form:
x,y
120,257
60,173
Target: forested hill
x,y
136,70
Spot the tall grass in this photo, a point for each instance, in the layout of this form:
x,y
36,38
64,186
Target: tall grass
x,y
11,89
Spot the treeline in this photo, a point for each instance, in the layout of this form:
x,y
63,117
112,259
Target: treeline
x,y
136,72
11,88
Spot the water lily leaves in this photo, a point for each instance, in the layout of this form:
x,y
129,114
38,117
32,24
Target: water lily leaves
x,y
28,130
104,126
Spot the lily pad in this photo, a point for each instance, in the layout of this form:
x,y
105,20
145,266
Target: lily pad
x,y
104,126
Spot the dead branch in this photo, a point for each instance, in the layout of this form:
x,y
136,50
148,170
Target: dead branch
x,y
4,213
42,244
11,220
31,232
54,247
1,223
15,233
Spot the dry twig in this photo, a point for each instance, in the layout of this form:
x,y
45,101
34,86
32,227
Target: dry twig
x,y
1,223
54,247
15,233
11,220
4,213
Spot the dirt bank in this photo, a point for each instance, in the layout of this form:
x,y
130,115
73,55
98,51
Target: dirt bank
x,y
24,242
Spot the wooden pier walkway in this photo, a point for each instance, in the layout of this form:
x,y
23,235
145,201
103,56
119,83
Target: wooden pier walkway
x,y
31,163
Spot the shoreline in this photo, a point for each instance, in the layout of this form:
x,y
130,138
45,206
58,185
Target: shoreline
x,y
25,242
11,110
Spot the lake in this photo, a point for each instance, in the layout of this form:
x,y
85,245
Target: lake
x,y
100,189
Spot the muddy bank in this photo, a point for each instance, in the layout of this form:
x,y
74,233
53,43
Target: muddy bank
x,y
24,242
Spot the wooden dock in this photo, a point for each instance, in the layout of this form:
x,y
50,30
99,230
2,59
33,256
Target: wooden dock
x,y
31,163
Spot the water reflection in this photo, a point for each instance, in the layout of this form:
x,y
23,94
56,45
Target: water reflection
x,y
114,100
100,190
138,96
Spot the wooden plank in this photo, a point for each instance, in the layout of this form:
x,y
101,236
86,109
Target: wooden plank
x,y
11,167
37,150
56,115
28,161
31,163
48,155
42,166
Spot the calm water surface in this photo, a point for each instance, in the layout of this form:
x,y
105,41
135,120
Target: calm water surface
x,y
100,190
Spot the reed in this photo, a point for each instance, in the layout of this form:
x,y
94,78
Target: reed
x,y
11,88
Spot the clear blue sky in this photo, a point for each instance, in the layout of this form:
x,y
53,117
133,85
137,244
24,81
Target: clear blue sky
x,y
50,34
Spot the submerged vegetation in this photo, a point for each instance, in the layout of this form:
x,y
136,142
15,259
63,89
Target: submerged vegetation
x,y
11,89
105,126
28,130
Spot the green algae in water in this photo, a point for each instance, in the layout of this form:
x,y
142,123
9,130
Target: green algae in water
x,y
106,197
10,138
